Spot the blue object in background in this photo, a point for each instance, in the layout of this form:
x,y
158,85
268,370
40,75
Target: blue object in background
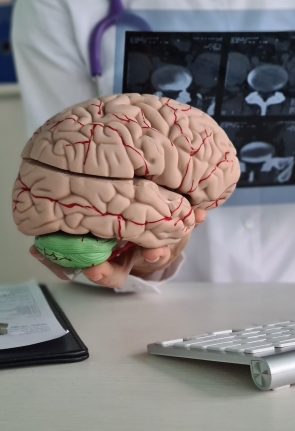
x,y
7,69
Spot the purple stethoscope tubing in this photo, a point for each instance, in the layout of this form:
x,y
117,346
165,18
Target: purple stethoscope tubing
x,y
116,14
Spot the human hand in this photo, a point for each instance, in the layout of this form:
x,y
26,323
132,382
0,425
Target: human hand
x,y
137,261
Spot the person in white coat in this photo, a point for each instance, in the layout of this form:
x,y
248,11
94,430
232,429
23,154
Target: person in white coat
x,y
252,240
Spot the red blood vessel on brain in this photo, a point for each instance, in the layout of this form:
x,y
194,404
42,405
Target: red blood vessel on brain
x,y
130,167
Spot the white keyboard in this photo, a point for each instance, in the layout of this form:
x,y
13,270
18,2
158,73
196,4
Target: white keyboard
x,y
269,349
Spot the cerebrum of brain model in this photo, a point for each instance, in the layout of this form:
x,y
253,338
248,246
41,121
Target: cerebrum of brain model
x,y
124,169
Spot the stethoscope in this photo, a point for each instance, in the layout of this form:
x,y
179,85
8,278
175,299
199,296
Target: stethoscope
x,y
117,14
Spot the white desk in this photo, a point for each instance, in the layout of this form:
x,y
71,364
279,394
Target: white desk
x,y
121,388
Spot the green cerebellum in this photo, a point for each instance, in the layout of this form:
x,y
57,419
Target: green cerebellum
x,y
75,251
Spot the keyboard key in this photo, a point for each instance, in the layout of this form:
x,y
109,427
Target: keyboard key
x,y
253,337
287,343
238,348
206,343
250,343
289,325
252,328
200,344
226,331
185,344
247,333
221,346
266,348
278,337
276,324
169,342
209,337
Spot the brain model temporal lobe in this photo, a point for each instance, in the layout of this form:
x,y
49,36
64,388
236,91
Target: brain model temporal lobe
x,y
124,169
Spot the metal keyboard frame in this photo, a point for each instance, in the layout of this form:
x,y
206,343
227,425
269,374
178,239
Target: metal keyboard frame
x,y
268,371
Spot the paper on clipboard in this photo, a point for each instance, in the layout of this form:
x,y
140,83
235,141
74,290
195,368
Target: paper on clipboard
x,y
28,315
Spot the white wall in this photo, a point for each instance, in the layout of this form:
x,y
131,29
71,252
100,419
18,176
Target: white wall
x,y
16,264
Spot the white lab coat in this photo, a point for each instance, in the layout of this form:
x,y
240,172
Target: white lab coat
x,y
50,39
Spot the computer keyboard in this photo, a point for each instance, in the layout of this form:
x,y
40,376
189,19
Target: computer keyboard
x,y
269,349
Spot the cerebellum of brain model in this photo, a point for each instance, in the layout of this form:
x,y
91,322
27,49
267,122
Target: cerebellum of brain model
x,y
123,169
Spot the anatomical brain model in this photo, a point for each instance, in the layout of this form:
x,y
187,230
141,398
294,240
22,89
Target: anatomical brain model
x,y
122,169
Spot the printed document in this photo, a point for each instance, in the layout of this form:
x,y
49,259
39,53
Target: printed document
x,y
30,320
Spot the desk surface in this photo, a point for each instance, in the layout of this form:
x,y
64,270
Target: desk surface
x,y
121,388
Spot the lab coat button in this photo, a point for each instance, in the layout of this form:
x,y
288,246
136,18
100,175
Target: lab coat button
x,y
249,224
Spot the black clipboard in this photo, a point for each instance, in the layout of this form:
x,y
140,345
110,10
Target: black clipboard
x,y
68,348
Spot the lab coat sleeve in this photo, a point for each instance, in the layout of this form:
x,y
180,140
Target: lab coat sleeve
x,y
51,71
